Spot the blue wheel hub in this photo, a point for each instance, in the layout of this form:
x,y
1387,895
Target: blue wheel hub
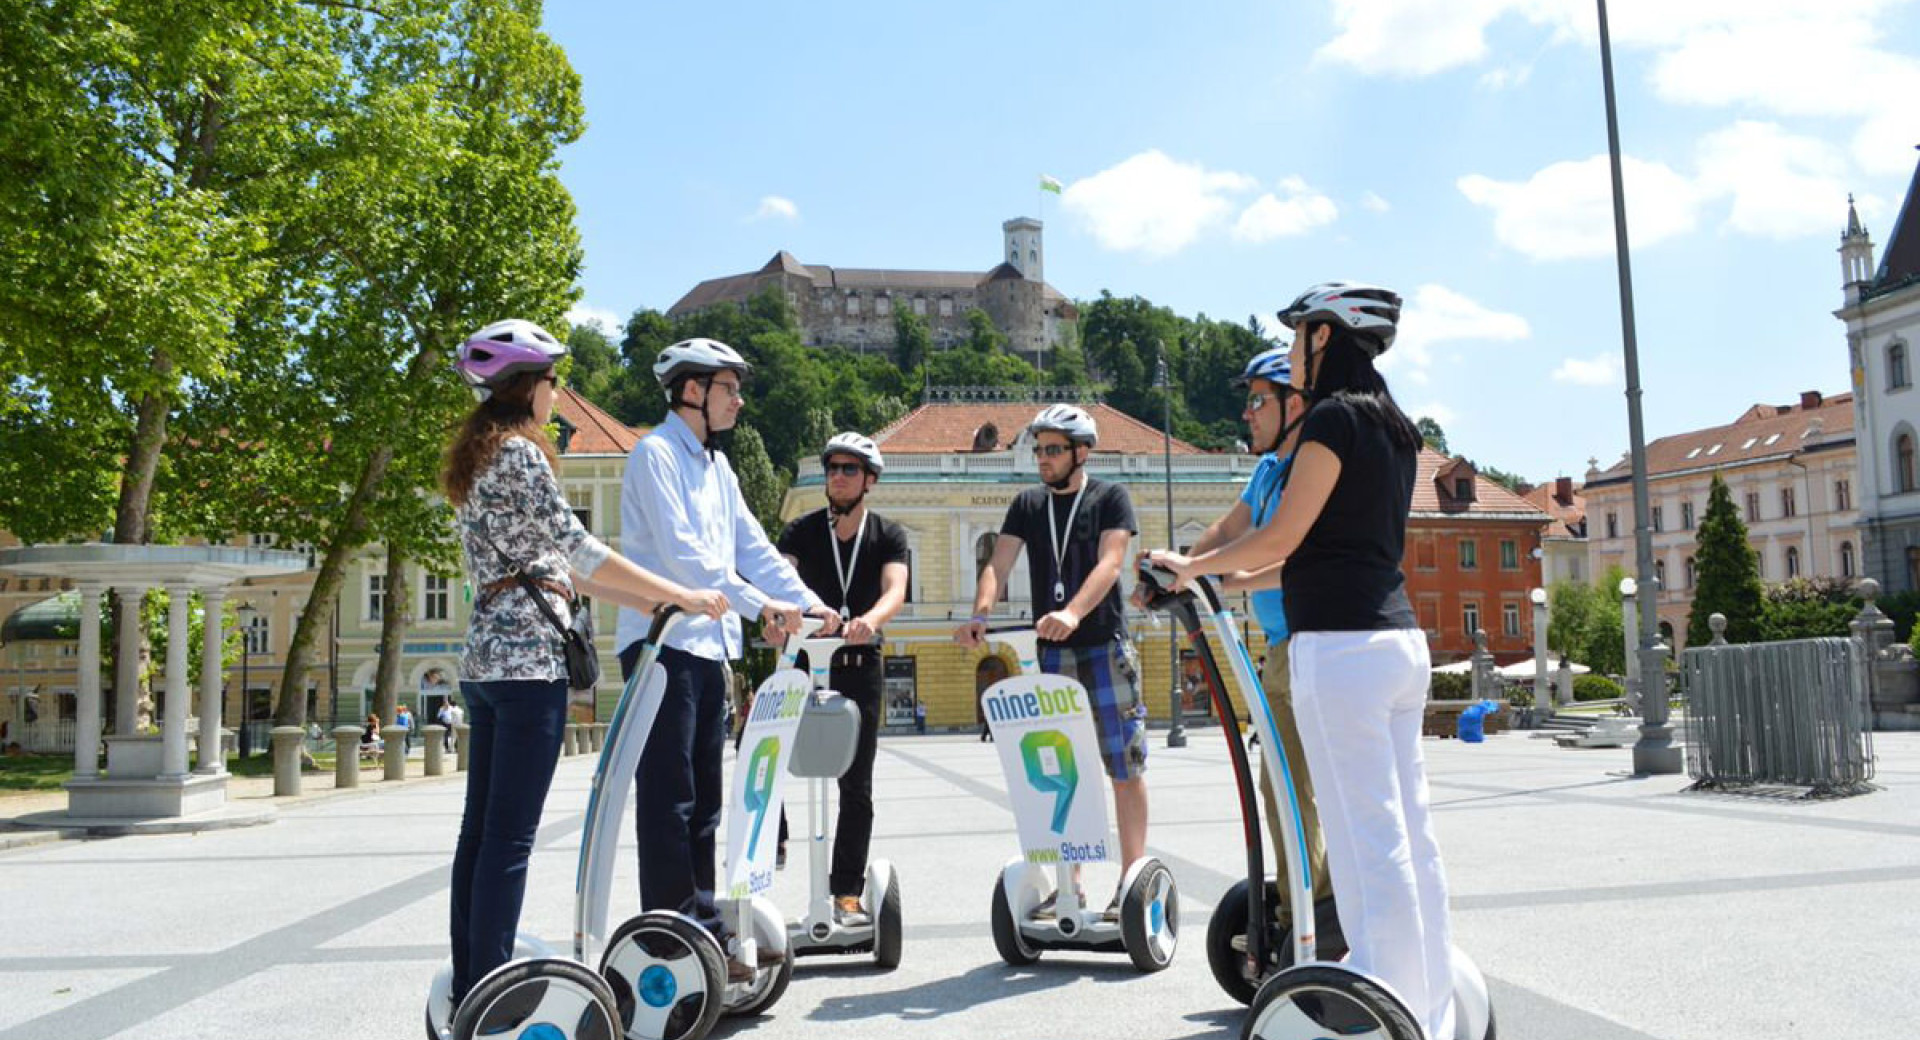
x,y
657,986
542,1031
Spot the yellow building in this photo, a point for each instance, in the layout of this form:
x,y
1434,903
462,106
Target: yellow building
x,y
953,466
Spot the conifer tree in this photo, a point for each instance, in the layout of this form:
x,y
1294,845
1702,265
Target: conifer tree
x,y
1726,575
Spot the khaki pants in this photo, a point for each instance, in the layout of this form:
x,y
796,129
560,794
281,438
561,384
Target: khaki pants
x,y
1278,687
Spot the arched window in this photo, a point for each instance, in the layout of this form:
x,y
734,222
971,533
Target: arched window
x,y
1897,365
1660,573
1846,559
1903,462
1690,574
1793,562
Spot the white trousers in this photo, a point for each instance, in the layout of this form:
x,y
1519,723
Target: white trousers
x,y
1359,698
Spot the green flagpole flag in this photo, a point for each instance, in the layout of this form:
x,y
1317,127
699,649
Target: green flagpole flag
x,y
1051,184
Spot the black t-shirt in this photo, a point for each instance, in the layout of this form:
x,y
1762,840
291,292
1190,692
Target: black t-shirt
x,y
806,538
1104,507
1345,576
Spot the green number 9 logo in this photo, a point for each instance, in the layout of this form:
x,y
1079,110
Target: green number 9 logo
x,y
1051,770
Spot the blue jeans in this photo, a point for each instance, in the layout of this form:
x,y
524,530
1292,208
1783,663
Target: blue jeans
x,y
677,788
515,730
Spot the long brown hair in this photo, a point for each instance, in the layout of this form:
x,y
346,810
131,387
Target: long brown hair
x,y
508,413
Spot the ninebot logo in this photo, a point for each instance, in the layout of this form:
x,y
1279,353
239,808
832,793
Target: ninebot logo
x,y
778,704
760,777
1034,704
1048,755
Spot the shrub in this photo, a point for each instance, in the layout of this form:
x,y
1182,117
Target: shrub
x,y
1451,686
1595,688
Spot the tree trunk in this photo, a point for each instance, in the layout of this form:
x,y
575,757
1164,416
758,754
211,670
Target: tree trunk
x,y
393,631
131,512
290,700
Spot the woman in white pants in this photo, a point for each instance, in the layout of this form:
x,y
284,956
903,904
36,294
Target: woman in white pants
x,y
1359,659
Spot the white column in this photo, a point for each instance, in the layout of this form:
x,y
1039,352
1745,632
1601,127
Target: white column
x,y
213,761
86,730
126,676
1542,694
173,718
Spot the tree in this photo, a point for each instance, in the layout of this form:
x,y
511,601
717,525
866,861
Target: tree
x,y
912,342
596,364
764,487
1432,434
1727,577
1808,608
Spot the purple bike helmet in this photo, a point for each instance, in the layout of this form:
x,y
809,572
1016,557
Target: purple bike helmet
x,y
503,350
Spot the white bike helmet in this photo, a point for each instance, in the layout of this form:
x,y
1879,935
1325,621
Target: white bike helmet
x,y
1074,423
1369,311
858,445
691,357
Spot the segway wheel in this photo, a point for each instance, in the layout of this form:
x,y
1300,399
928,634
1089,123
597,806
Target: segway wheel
x,y
1227,943
1006,930
769,983
888,925
548,997
667,976
1150,917
1324,1000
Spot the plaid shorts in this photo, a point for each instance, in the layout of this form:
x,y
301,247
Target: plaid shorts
x,y
1111,674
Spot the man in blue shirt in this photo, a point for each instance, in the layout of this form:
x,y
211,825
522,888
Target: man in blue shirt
x,y
1272,415
682,516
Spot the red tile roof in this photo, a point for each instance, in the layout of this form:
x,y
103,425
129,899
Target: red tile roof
x,y
594,431
1489,498
1765,431
943,428
1569,517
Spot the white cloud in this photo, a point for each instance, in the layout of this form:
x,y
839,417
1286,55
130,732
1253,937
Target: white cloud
x,y
1600,370
1436,411
1154,205
1503,79
1374,203
1782,185
773,206
1565,211
1435,314
582,314
1273,216
1787,58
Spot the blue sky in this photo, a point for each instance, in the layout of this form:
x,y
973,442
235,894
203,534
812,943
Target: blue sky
x,y
1220,157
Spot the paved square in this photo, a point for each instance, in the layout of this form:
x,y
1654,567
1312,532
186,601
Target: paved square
x,y
1601,907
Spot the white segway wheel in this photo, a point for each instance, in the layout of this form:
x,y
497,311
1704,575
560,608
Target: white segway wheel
x,y
1314,1001
889,925
666,973
1472,1007
769,982
1150,916
440,993
546,998
1006,928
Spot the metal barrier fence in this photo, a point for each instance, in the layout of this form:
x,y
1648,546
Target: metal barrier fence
x,y
1787,713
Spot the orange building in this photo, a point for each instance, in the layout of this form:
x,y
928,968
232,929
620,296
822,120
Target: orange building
x,y
1473,555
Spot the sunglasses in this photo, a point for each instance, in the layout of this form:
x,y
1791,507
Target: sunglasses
x,y
1052,451
1255,402
551,379
845,469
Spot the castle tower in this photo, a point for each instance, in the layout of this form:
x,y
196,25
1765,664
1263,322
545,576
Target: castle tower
x,y
1024,249
1856,255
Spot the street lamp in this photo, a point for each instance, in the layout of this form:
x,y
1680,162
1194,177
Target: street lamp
x,y
1542,698
246,613
1177,735
1655,752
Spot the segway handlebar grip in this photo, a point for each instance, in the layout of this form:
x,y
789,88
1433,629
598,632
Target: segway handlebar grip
x,y
663,618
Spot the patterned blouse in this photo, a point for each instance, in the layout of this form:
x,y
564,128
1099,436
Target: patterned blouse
x,y
517,504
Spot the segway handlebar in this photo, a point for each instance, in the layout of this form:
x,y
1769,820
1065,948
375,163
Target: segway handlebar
x,y
1023,641
1158,581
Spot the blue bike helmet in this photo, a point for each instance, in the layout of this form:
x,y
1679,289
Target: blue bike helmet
x,y
1271,365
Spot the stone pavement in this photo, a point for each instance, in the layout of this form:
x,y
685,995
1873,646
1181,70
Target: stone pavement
x,y
1601,907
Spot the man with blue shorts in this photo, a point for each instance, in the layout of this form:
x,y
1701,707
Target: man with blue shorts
x,y
1080,528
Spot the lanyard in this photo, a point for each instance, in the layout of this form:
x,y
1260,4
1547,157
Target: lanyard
x,y
1053,537
833,547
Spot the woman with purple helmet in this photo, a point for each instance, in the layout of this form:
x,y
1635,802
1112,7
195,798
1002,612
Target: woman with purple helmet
x,y
499,475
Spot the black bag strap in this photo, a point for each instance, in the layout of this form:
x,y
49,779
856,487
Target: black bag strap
x,y
515,572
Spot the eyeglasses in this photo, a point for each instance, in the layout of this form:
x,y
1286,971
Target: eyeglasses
x,y
845,469
732,389
1051,451
552,379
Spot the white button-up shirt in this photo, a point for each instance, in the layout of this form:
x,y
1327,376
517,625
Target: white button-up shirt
x,y
682,517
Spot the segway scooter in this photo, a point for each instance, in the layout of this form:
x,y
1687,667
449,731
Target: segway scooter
x,y
668,993
1296,995
1043,728
823,750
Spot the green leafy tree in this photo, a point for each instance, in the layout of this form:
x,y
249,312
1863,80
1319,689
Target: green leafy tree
x,y
763,486
596,362
1808,608
912,341
1432,434
1727,577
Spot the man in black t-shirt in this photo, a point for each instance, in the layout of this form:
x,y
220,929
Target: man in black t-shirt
x,y
855,560
1079,529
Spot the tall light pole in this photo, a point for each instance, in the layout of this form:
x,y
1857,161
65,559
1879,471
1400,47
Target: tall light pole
x,y
1177,735
1655,753
246,613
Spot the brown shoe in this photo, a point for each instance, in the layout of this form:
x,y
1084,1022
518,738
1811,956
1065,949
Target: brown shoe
x,y
848,911
740,971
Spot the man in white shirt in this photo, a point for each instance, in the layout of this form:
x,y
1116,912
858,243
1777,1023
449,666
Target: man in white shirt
x,y
682,516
